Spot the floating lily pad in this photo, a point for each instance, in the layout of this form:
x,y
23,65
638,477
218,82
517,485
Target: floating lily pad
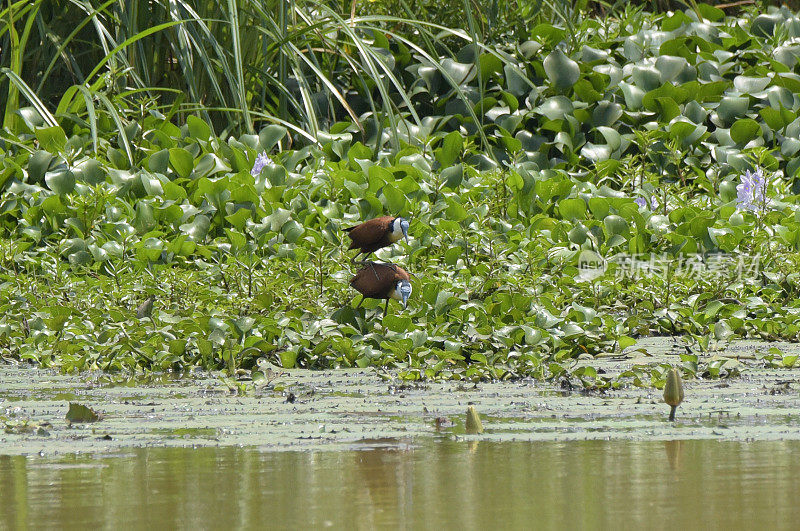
x,y
79,413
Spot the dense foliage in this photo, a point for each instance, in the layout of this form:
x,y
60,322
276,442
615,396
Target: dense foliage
x,y
539,177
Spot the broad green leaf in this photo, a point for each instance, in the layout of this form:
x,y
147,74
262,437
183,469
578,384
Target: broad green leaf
x,y
456,212
397,323
38,164
615,225
181,161
197,228
61,181
239,218
395,200
450,149
745,130
562,71
292,231
574,208
453,176
606,113
198,128
158,162
52,139
732,107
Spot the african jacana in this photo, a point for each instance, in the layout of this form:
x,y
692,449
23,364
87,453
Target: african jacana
x,y
390,281
376,234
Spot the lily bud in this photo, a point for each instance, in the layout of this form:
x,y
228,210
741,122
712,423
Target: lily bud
x,y
673,391
474,424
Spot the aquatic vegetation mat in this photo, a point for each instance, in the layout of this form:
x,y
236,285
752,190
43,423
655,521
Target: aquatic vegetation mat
x,y
569,193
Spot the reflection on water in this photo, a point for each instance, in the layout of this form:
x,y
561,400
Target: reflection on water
x,y
676,484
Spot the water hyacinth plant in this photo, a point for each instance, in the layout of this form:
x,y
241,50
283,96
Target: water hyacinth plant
x,y
750,194
493,152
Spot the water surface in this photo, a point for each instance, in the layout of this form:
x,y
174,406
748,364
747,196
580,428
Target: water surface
x,y
415,483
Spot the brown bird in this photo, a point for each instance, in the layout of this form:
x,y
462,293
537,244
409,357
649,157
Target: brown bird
x,y
389,282
376,234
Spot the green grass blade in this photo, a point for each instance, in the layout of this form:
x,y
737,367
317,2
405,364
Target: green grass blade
x,y
30,95
112,110
60,51
64,106
18,45
127,42
241,89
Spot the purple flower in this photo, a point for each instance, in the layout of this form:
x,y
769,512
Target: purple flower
x,y
642,202
261,160
750,193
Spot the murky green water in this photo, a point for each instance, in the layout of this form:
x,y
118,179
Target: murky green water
x,y
443,484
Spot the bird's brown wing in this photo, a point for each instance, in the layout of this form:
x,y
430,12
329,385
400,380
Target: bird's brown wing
x,y
378,283
369,234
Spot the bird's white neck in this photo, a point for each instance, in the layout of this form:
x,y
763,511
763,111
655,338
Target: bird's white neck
x,y
395,230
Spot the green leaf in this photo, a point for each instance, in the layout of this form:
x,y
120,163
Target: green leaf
x,y
91,172
181,161
359,151
456,212
270,136
452,176
450,149
60,181
198,128
646,78
625,342
397,323
52,139
197,229
573,208
239,218
59,315
158,162
275,174
764,25
150,249
606,113
712,13
562,71
395,200
687,132
461,73
745,130
38,165
615,225
555,108
452,254
288,358
732,107
292,231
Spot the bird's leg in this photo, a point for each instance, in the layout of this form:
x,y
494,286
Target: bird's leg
x,y
372,265
364,262
386,308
